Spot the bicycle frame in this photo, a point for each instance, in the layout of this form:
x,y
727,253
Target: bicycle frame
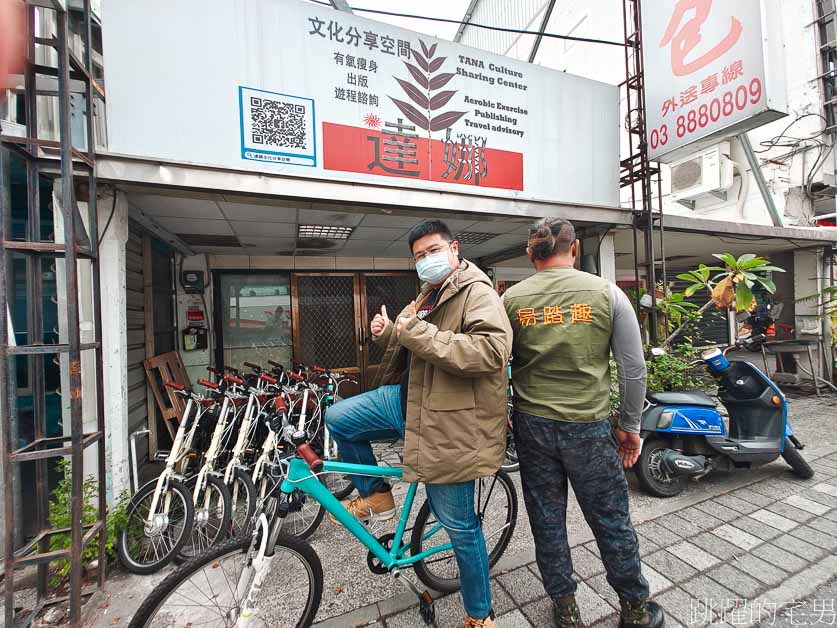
x,y
302,478
180,447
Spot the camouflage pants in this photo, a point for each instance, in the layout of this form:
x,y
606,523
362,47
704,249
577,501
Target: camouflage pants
x,y
585,454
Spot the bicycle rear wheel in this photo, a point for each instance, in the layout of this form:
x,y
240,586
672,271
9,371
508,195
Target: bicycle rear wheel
x,y
495,502
209,589
304,513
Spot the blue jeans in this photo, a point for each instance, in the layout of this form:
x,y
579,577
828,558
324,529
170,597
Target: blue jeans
x,y
376,415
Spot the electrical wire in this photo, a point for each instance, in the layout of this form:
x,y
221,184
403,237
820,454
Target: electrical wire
x,y
107,224
501,29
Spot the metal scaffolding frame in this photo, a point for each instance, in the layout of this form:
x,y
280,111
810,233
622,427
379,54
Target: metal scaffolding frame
x,y
76,169
638,174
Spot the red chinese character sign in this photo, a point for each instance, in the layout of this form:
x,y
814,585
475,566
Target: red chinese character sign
x,y
713,69
301,90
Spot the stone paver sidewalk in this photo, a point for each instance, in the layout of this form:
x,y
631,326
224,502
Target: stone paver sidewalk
x,y
738,558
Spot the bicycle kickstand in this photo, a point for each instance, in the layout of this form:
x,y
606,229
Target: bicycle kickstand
x,y
426,606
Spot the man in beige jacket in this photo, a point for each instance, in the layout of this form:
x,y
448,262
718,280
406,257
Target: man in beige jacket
x,y
442,385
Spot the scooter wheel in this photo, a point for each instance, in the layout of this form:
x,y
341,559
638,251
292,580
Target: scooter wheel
x,y
792,456
652,478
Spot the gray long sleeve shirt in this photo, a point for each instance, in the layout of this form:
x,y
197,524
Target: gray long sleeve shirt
x,y
626,345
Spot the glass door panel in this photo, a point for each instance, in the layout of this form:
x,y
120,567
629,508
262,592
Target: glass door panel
x,y
256,318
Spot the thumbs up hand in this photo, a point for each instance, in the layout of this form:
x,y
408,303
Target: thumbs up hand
x,y
379,322
402,321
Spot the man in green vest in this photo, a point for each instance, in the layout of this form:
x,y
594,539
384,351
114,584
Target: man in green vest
x,y
566,323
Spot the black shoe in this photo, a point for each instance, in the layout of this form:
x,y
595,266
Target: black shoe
x,y
642,614
565,613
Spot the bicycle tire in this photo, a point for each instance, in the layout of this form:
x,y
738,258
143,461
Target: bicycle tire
x,y
131,563
340,486
511,462
240,521
306,530
200,540
449,585
147,611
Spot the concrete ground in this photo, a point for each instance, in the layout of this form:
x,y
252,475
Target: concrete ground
x,y
732,549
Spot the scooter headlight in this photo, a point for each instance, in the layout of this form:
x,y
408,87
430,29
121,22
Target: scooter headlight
x,y
664,422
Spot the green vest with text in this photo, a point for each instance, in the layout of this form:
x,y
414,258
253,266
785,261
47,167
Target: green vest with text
x,y
561,320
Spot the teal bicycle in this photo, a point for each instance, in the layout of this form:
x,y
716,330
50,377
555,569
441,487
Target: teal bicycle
x,y
273,579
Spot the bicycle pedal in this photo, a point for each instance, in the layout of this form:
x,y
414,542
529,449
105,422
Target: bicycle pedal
x,y
161,455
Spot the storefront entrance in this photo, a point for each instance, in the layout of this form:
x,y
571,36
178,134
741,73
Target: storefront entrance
x,y
331,314
316,318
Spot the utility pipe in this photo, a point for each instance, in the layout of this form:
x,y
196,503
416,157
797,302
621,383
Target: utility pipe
x,y
759,176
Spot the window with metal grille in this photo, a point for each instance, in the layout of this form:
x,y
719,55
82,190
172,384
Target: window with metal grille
x,y
826,27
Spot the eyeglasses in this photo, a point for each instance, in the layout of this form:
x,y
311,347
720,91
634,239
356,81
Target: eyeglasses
x,y
436,248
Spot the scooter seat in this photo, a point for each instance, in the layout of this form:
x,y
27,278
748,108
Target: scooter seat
x,y
693,398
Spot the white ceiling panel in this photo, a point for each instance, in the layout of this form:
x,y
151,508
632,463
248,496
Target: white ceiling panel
x,y
504,240
382,234
323,217
258,213
492,227
265,243
175,206
369,248
384,220
186,225
264,229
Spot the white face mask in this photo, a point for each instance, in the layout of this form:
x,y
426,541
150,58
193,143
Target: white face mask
x,y
434,268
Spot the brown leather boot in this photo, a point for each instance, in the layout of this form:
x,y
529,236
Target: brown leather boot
x,y
378,506
488,622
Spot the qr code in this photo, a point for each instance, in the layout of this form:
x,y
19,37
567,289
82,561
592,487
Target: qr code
x,y
278,123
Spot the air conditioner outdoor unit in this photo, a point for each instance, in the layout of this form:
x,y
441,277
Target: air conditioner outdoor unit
x,y
709,172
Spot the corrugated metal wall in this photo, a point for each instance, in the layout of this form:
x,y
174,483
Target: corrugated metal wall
x,y
520,14
135,286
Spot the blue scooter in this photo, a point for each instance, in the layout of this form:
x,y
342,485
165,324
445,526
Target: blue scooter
x,y
684,435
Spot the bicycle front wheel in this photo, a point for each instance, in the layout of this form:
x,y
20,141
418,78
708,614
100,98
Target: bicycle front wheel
x,y
210,589
211,516
495,503
150,541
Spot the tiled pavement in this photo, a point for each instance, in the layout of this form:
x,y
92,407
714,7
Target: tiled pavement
x,y
733,559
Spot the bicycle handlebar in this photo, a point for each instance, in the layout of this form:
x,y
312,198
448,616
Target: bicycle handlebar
x,y
300,439
250,365
207,384
174,385
268,378
296,377
233,379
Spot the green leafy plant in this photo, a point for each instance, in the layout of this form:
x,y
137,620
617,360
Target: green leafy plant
x,y
730,286
60,516
734,284
676,370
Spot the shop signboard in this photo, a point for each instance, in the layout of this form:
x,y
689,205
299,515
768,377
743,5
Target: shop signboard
x,y
292,88
713,69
